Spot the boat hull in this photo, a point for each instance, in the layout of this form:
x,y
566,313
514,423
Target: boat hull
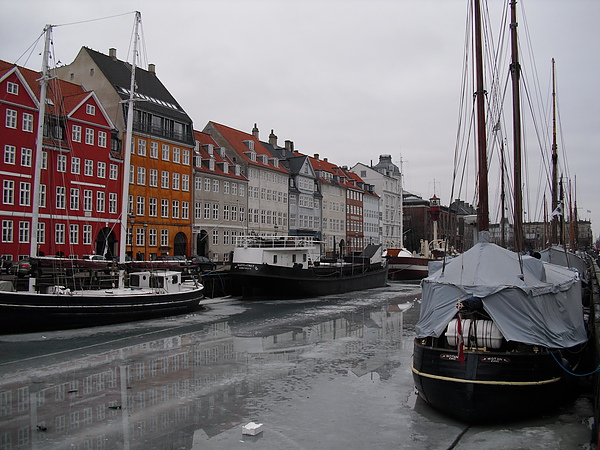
x,y
408,268
488,386
263,281
23,311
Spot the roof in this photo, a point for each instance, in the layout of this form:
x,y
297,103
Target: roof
x,y
205,139
149,87
237,140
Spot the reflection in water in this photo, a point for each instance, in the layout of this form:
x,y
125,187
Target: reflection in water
x,y
186,387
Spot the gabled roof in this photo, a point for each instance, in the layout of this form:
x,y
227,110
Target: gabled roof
x,y
205,139
149,88
237,140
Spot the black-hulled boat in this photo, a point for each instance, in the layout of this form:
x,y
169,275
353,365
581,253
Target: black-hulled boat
x,y
283,267
498,331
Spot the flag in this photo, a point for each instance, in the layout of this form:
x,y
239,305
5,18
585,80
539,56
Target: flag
x,y
557,212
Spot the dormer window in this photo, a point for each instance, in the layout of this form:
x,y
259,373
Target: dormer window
x,y
250,144
211,164
209,148
275,162
251,156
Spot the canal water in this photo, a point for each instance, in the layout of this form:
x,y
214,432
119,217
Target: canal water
x,y
324,373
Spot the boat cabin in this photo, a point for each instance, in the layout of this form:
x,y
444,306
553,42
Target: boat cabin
x,y
170,281
281,251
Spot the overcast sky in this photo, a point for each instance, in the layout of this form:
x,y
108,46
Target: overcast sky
x,y
349,79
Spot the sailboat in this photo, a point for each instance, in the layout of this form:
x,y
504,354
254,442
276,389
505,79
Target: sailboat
x,y
147,293
497,329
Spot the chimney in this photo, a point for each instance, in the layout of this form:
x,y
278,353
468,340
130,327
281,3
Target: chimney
x,y
325,159
317,156
112,52
255,131
273,139
289,145
152,68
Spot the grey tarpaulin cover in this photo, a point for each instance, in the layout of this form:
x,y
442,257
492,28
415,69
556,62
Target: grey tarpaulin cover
x,y
541,307
558,255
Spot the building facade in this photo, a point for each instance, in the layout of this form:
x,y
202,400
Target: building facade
x,y
81,175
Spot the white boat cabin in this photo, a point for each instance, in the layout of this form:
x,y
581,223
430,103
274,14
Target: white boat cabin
x,y
282,251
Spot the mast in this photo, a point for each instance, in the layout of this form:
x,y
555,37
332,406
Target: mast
x,y
128,143
483,218
555,218
39,145
515,70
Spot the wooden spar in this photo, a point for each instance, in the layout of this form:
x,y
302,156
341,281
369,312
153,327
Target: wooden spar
x,y
555,219
515,69
483,217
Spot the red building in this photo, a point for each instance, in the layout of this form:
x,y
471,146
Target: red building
x,y
81,176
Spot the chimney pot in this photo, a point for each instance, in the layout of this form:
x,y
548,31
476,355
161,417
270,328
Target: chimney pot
x,y
152,68
112,52
317,156
255,131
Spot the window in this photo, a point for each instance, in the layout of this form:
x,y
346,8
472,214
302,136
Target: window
x,y
11,118
74,234
215,211
113,172
207,211
10,152
154,150
75,165
207,184
61,163
24,193
59,233
175,181
153,181
198,183
152,237
24,232
100,201
234,189
41,234
89,168
12,88
102,138
225,187
112,203
164,238
215,237
60,197
141,176
153,207
141,147
140,205
90,109
225,237
215,185
27,122
7,231
87,234
176,155
185,157
76,133
89,136
165,152
87,200
42,195
225,212
175,209
164,207
101,169
26,156
185,182
164,183
140,237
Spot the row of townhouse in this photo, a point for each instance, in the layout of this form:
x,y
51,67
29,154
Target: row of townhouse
x,y
190,192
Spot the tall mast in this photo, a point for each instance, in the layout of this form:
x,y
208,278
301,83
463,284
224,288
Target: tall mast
x,y
128,142
39,145
555,218
515,70
483,217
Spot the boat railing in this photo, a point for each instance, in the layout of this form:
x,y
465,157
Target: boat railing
x,y
275,241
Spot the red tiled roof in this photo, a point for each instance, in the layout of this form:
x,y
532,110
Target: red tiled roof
x,y
236,139
205,139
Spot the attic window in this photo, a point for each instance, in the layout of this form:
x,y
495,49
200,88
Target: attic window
x,y
92,72
90,109
12,88
249,144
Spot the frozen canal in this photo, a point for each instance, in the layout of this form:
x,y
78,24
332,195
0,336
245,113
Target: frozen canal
x,y
332,373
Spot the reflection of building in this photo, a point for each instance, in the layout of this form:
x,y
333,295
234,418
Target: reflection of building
x,y
174,387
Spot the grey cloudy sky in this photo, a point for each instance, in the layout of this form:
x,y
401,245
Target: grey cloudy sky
x,y
347,79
